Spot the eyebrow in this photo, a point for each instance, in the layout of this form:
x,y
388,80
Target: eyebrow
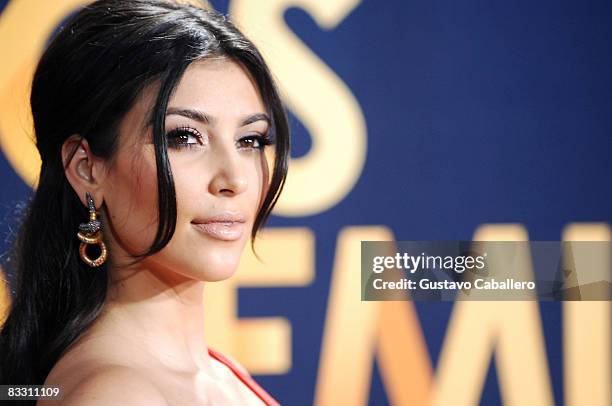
x,y
207,119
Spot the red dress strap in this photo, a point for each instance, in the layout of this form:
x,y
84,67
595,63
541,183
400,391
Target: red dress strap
x,y
245,378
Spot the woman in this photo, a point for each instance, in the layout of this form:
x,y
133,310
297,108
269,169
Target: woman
x,y
151,119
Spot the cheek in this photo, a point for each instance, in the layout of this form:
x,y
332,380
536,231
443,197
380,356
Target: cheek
x,y
132,205
191,188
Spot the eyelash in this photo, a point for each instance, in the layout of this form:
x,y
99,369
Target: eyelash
x,y
174,134
262,139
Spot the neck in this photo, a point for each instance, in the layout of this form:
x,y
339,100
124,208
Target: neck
x,y
164,316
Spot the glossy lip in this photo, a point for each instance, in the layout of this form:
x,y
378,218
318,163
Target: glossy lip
x,y
225,226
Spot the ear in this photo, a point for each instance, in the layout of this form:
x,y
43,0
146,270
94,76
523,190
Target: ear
x,y
83,169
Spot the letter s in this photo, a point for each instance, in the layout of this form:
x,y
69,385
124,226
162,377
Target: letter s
x,y
317,96
480,260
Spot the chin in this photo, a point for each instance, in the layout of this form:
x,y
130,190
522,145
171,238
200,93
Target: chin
x,y
219,266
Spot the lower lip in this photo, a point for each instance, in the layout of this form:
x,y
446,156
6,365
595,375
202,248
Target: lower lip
x,y
226,231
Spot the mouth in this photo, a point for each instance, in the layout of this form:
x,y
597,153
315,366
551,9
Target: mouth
x,y
224,226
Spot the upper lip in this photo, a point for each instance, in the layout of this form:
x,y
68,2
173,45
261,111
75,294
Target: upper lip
x,y
222,217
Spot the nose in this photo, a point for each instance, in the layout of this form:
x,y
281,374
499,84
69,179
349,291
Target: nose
x,y
229,177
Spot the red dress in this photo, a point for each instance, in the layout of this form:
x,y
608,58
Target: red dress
x,y
245,378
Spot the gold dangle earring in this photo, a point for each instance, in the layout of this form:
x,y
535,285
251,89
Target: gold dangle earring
x,y
90,233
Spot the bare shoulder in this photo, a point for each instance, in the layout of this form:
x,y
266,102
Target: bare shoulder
x,y
95,371
113,384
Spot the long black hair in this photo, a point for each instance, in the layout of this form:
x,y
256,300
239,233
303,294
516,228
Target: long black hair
x,y
88,78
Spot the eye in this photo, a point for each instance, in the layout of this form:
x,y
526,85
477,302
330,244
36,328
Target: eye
x,y
184,137
254,141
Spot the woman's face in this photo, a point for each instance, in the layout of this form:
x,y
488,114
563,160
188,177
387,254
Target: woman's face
x,y
216,128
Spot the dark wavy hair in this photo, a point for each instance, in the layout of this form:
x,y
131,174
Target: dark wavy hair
x,y
88,78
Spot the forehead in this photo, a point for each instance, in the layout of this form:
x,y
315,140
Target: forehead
x,y
221,87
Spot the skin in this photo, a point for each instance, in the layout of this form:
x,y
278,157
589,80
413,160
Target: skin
x,y
149,340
